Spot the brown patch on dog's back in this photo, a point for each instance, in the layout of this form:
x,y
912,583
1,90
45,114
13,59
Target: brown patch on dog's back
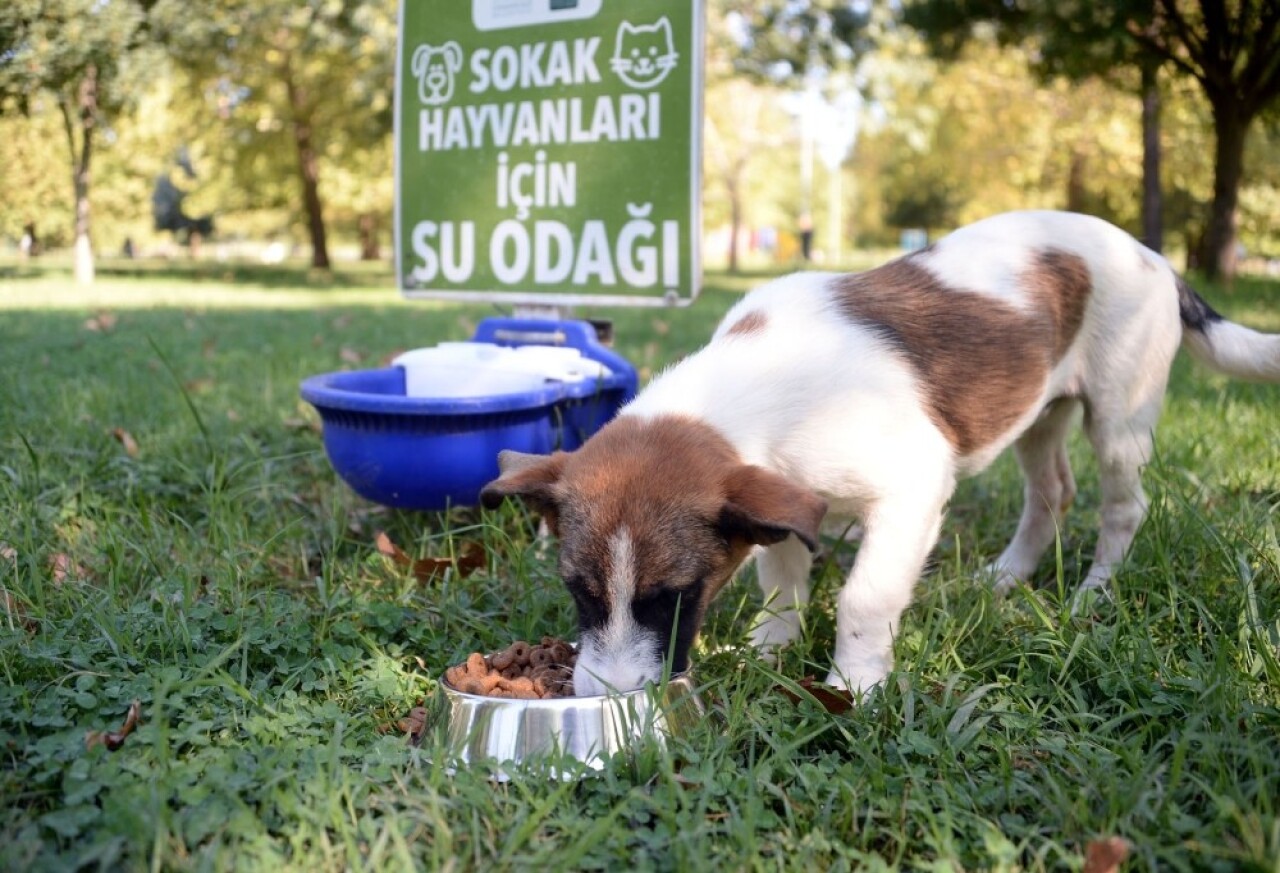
x,y
981,362
751,323
1060,284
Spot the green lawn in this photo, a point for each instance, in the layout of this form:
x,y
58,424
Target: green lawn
x,y
213,568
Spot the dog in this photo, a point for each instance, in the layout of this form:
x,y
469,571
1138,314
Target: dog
x,y
868,396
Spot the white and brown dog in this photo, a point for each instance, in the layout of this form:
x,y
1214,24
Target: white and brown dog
x,y
867,396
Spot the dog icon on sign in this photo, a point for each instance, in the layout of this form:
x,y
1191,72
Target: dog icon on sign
x,y
435,66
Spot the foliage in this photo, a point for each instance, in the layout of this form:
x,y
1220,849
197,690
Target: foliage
x,y
1231,50
218,573
93,58
300,91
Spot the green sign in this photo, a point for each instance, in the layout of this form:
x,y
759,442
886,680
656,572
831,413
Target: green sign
x,y
548,151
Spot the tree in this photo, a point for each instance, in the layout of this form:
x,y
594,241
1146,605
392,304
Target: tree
x,y
314,73
1230,47
90,56
1078,40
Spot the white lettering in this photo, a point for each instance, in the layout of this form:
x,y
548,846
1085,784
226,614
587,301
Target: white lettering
x,y
594,256
584,60
509,231
549,235
506,68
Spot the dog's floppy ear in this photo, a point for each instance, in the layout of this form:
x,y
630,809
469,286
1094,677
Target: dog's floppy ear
x,y
452,55
764,508
532,478
420,58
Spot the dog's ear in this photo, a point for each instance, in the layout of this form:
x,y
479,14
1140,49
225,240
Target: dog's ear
x,y
420,58
532,478
764,508
452,55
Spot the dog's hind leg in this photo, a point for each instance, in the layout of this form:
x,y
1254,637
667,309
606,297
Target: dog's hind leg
x,y
1049,489
783,571
1123,445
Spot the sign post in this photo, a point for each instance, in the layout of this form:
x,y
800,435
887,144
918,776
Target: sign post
x,y
548,152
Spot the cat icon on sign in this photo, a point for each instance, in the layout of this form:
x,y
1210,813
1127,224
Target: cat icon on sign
x,y
435,66
644,53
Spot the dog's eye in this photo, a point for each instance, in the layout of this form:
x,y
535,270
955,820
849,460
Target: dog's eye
x,y
590,610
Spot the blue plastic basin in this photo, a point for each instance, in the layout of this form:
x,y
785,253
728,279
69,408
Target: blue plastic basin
x,y
434,452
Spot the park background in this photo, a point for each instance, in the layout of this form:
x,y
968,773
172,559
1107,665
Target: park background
x,y
171,532
263,130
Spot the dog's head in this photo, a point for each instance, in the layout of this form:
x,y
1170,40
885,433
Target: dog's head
x,y
653,517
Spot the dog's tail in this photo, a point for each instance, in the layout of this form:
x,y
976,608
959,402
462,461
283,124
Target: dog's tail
x,y
1223,345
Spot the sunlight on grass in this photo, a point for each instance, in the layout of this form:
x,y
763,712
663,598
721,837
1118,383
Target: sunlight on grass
x,y
233,587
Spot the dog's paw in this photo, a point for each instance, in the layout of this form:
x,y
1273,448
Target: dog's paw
x,y
860,680
771,631
1088,599
1001,579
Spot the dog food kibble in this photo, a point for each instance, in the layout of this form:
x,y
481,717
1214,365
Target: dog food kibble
x,y
522,671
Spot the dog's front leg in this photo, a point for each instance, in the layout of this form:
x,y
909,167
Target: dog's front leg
x,y
783,571
900,532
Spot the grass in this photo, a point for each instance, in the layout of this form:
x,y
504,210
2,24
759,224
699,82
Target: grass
x,y
215,570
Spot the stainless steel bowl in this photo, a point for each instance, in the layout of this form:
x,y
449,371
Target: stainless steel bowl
x,y
583,729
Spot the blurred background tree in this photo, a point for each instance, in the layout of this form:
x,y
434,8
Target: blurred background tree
x,y
861,118
302,86
91,59
1231,49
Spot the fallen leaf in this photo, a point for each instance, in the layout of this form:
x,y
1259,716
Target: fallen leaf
x,y
685,782
301,423
414,722
1105,856
115,739
350,355
14,613
103,322
126,439
472,558
62,568
8,552
834,700
199,386
387,359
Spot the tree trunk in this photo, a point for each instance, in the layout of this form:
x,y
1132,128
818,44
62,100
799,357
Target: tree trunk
x,y
309,171
86,112
1075,184
735,221
1152,197
368,224
1230,124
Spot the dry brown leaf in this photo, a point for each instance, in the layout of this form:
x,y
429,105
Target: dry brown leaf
x,y
115,739
126,439
472,558
834,700
387,359
202,385
14,613
103,322
300,423
350,355
62,568
1105,856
